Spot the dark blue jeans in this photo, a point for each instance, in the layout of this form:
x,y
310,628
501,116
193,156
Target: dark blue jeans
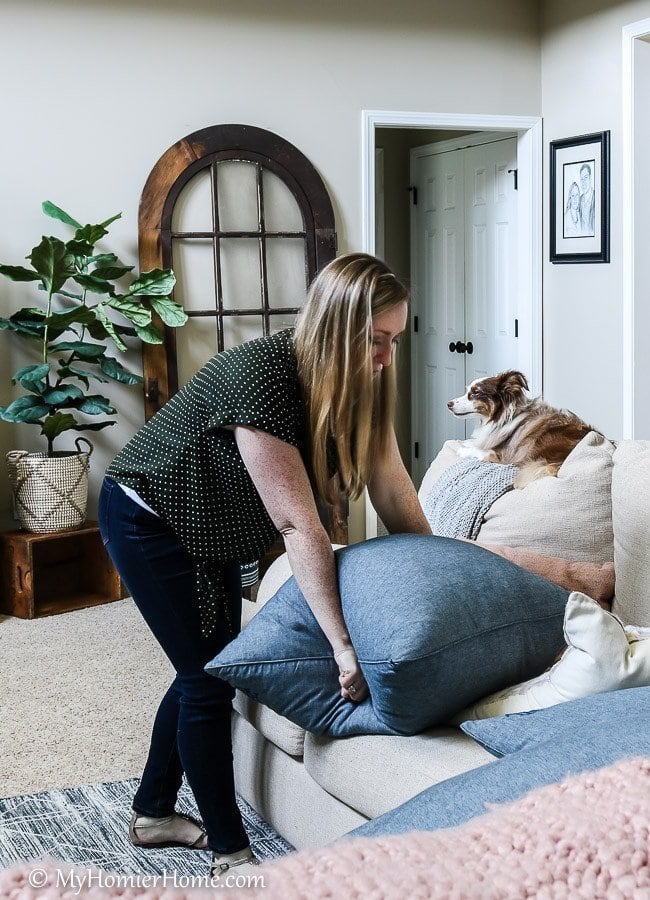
x,y
191,731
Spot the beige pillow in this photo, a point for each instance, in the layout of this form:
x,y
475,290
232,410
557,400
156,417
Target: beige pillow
x,y
631,518
569,516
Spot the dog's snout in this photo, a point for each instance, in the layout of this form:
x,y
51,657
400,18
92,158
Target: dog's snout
x,y
450,404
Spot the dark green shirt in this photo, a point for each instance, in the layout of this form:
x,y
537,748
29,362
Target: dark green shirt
x,y
185,465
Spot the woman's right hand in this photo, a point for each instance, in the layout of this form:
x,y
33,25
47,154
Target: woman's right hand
x,y
351,678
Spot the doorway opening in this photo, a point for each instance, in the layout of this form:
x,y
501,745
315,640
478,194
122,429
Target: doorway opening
x,y
388,139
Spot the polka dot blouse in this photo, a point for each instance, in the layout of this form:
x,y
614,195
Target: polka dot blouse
x,y
184,463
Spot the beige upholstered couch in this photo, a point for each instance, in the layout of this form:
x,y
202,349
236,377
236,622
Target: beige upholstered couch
x,y
315,789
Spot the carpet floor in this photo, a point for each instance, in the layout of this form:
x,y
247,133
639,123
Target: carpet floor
x,y
88,827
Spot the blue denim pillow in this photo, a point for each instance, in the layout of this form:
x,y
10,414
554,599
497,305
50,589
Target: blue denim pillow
x,y
585,735
518,731
436,623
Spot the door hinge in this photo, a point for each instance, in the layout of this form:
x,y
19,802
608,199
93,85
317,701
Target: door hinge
x,y
516,328
415,324
416,450
414,194
515,173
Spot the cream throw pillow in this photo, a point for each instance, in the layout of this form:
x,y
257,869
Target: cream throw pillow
x,y
602,655
569,516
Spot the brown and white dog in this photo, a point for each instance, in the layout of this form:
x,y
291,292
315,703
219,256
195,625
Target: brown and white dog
x,y
515,429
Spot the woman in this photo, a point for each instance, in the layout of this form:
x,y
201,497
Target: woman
x,y
238,455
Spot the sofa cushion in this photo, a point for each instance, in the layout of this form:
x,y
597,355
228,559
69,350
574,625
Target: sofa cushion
x,y
602,655
631,519
437,623
275,728
548,745
569,516
375,773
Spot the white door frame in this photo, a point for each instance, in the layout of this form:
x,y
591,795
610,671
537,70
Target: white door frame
x,y
529,215
631,302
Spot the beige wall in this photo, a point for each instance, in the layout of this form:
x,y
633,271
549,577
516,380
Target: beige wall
x,y
583,313
94,92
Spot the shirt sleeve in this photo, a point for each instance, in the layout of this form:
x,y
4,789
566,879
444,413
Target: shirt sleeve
x,y
257,385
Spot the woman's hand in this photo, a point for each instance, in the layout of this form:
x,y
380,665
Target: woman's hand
x,y
353,684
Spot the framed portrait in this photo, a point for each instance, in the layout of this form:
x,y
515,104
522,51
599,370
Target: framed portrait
x,y
579,212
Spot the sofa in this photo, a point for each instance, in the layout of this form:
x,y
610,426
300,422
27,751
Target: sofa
x,y
315,788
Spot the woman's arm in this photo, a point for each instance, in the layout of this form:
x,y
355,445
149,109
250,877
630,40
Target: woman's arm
x,y
393,495
280,477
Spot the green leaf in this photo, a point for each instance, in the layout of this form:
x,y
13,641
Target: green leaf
x,y
58,423
90,234
19,273
81,250
108,258
70,295
170,312
110,328
24,409
112,219
61,395
156,282
149,334
95,426
134,310
117,372
96,285
95,405
111,272
55,212
26,322
93,233
80,348
53,262
32,378
82,375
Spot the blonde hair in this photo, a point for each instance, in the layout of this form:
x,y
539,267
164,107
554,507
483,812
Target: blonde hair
x,y
345,404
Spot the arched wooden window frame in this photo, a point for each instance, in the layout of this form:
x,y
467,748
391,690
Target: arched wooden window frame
x,y
175,168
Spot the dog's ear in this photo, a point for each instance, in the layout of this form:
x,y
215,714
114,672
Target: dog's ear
x,y
513,384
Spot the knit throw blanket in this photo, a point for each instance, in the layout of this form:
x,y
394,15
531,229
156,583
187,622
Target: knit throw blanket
x,y
586,837
459,500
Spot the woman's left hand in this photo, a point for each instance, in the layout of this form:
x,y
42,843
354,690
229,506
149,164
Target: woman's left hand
x,y
351,678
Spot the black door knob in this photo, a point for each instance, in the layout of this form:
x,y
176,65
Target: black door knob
x,y
460,347
470,347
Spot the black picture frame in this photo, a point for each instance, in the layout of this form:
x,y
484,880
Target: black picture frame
x,y
579,219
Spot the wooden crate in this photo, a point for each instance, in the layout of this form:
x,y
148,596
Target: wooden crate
x,y
44,574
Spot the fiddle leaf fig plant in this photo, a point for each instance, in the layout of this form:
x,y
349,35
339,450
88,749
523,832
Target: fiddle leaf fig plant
x,y
84,315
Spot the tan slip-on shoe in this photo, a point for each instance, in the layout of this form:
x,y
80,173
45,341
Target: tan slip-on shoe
x,y
177,830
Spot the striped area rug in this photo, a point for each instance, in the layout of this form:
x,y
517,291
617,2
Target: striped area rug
x,y
88,827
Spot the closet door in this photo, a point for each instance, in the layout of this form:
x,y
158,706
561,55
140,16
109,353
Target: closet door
x,y
464,269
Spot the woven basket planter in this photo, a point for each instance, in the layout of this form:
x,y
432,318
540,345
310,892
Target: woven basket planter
x,y
50,492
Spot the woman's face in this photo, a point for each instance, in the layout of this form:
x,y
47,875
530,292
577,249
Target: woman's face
x,y
387,328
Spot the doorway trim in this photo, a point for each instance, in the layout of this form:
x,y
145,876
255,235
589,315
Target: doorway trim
x,y
631,33
528,131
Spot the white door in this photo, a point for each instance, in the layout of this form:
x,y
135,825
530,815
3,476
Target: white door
x,y
463,281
